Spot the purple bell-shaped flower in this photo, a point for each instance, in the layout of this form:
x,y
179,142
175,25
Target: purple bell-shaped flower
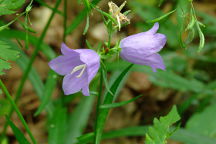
x,y
142,48
79,67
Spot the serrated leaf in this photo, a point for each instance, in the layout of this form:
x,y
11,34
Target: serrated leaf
x,y
160,131
6,53
8,6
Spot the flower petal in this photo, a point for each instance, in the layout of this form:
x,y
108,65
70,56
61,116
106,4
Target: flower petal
x,y
64,64
154,29
155,61
85,90
145,43
67,51
73,84
92,60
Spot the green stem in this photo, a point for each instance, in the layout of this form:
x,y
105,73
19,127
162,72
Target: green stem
x,y
4,89
34,55
98,103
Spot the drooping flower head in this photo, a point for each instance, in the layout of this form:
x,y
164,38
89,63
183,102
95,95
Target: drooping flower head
x,y
142,48
79,67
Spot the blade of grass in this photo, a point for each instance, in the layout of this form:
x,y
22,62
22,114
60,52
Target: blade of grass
x,y
114,105
78,119
18,134
49,88
57,125
161,17
34,55
101,117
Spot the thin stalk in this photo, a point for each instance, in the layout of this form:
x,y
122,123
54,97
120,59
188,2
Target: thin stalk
x,y
31,61
98,102
4,89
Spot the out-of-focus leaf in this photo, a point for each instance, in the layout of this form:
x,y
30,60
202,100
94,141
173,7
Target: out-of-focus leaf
x,y
49,87
78,119
57,125
204,122
166,78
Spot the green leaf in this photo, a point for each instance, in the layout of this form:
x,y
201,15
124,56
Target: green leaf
x,y
4,107
87,26
46,49
108,99
3,139
204,122
104,75
201,36
6,54
33,76
78,119
57,125
8,6
48,90
18,134
114,105
160,131
181,135
161,17
167,79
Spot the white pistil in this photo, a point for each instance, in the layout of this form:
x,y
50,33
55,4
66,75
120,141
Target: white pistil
x,y
77,68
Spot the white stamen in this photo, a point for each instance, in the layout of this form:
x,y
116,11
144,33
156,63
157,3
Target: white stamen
x,y
77,68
